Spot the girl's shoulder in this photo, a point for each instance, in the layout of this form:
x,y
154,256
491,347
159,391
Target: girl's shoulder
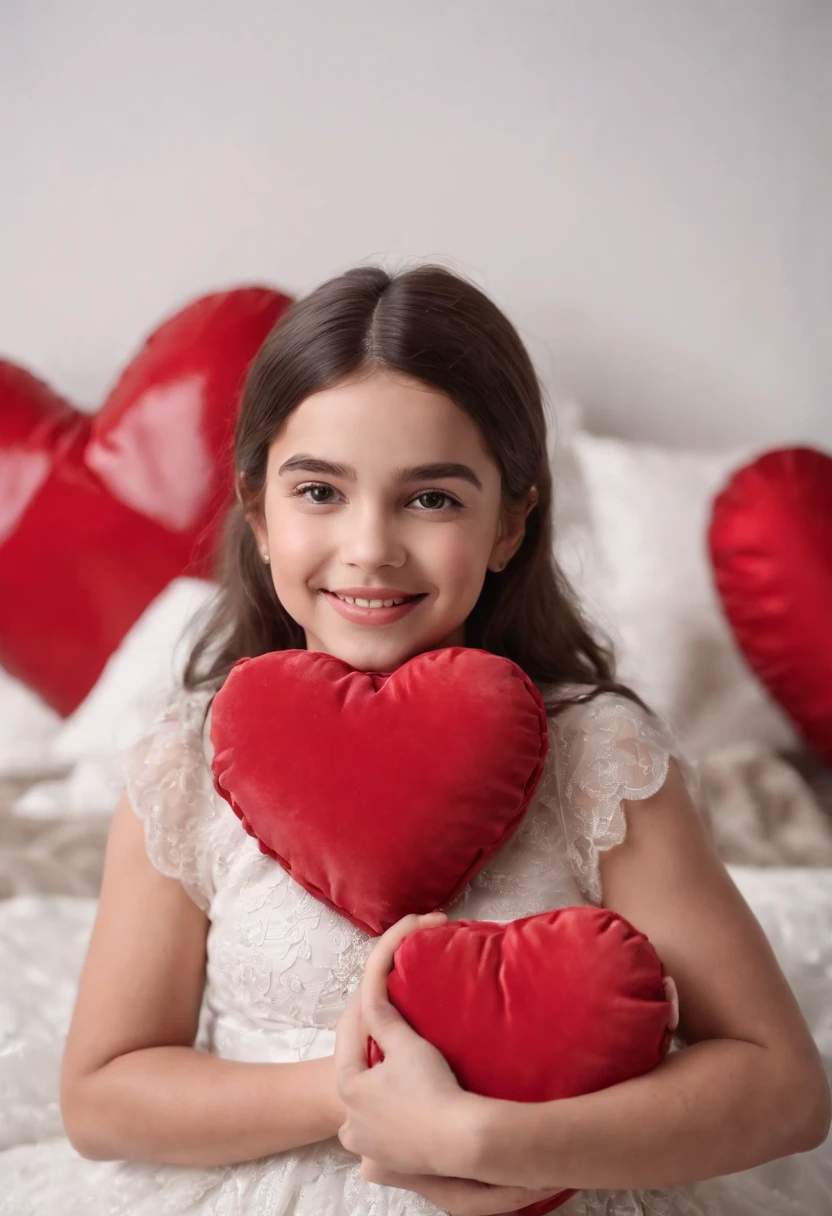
x,y
589,721
167,777
605,749
173,735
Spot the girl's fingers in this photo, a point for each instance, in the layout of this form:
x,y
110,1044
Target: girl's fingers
x,y
384,1023
671,994
457,1196
370,1012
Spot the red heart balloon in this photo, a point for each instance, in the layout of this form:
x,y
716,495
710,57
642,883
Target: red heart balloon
x,y
548,1007
771,548
380,794
98,514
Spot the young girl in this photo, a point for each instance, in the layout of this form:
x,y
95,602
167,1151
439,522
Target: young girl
x,y
391,447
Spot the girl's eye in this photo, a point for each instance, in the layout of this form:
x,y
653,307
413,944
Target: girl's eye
x,y
317,493
434,500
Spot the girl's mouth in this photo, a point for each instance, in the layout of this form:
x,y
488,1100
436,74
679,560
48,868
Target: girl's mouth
x,y
376,606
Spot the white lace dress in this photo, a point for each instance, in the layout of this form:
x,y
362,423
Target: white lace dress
x,y
281,968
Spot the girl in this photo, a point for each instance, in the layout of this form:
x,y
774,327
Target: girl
x,y
391,447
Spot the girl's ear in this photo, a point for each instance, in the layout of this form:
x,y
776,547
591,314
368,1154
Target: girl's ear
x,y
258,527
511,531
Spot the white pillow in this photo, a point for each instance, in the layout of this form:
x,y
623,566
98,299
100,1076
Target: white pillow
x,y
27,729
576,548
149,661
646,579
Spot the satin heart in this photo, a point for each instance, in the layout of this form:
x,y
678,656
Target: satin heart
x,y
548,1007
771,549
98,514
380,794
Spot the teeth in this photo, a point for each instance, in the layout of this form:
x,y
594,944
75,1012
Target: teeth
x,y
361,603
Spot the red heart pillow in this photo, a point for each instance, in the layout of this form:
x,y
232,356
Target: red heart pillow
x,y
380,794
552,1006
98,514
771,548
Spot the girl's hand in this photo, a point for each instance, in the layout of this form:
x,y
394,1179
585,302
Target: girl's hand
x,y
407,1112
456,1196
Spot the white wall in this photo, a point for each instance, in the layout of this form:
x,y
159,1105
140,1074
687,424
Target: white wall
x,y
645,185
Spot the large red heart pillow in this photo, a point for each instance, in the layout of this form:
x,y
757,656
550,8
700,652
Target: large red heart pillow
x,y
98,514
771,548
380,794
548,1007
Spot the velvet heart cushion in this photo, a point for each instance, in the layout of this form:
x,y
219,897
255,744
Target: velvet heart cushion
x,y
98,513
771,550
380,794
552,1006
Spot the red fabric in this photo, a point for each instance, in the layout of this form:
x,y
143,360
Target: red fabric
x,y
380,794
771,548
553,1006
98,514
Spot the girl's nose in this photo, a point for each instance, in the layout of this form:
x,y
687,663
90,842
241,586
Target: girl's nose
x,y
371,541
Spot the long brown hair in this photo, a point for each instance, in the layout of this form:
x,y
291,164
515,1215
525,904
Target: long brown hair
x,y
439,329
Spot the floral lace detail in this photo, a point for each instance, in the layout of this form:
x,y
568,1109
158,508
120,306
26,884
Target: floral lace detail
x,y
319,1181
605,751
278,957
681,1201
529,874
169,784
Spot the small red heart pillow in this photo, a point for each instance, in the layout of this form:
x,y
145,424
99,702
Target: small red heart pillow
x,y
98,513
380,794
548,1007
771,549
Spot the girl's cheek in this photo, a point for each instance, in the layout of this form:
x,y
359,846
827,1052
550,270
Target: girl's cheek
x,y
461,554
291,536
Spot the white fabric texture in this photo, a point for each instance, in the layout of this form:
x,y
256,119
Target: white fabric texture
x,y
282,966
27,728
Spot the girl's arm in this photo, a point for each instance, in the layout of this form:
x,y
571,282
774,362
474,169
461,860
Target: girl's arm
x,y
749,1089
751,1086
132,1085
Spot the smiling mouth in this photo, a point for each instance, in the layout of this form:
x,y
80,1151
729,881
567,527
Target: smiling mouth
x,y
376,606
375,603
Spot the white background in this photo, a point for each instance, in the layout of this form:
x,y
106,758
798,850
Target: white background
x,y
645,185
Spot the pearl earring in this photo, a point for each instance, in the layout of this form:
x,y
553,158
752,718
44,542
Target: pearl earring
x,y
266,557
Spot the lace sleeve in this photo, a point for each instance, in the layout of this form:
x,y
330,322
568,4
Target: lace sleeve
x,y
606,751
167,778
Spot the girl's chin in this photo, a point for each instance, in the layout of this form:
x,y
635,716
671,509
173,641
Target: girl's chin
x,y
378,655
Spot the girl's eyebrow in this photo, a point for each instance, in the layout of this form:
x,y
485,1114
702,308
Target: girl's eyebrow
x,y
424,472
310,464
440,472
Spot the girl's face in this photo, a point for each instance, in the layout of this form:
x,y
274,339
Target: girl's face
x,y
382,512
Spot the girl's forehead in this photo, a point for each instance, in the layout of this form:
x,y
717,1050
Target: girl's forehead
x,y
383,416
